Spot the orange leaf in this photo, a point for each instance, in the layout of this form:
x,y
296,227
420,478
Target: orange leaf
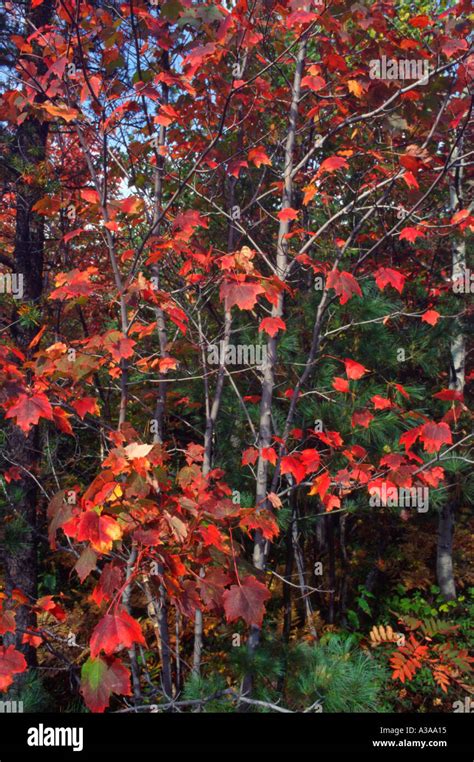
x,y
272,326
354,369
259,156
355,87
340,384
287,214
62,111
332,164
431,317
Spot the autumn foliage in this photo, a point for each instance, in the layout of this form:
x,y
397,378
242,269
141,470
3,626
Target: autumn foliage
x,y
232,176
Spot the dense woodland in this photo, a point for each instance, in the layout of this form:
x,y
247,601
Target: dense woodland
x,y
235,295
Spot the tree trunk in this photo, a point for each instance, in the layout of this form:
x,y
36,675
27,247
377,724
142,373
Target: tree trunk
x,y
444,560
332,566
261,546
20,546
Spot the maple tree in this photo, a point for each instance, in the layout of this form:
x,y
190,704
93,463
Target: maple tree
x,y
192,177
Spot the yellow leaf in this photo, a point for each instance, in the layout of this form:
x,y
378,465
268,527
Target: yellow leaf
x,y
355,87
115,495
68,114
137,450
310,192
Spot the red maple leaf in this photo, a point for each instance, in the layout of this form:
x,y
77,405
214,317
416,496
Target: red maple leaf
x,y
331,438
300,17
450,46
330,502
115,631
249,456
431,317
258,156
287,214
268,453
246,601
211,536
409,438
419,22
12,662
380,403
291,464
344,284
101,531
310,459
100,678
166,115
411,234
434,435
313,83
335,62
86,405
90,195
460,216
198,54
29,409
167,363
385,276
46,603
410,162
73,284
320,485
449,394
272,325
332,164
242,295
410,179
187,221
262,520
362,418
7,622
235,166
132,204
340,384
354,369
110,582
61,419
119,345
212,586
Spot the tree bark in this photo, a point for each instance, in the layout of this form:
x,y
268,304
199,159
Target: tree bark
x,y
160,626
20,550
444,560
261,546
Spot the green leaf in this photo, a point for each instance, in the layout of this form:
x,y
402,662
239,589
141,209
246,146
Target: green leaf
x,y
100,678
